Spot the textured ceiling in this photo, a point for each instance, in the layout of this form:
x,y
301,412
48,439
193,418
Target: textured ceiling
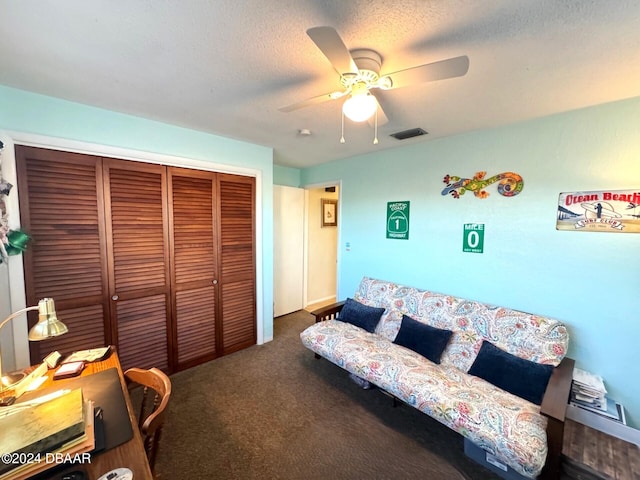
x,y
226,66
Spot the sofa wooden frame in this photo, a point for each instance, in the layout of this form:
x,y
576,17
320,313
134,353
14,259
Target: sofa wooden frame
x,y
554,403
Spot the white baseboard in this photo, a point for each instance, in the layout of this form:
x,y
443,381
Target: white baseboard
x,y
321,300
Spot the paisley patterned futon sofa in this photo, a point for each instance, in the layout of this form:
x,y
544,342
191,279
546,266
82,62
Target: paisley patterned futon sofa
x,y
495,344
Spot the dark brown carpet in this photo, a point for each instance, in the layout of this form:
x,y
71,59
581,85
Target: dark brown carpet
x,y
275,412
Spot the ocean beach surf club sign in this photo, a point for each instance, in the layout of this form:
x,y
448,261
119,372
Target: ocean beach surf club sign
x,y
614,211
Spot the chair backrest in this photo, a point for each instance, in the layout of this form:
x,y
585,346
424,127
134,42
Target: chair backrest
x,y
152,405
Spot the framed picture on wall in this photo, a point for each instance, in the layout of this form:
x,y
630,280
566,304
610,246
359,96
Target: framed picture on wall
x,y
329,212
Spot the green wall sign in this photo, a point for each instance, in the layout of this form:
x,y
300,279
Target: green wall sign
x,y
473,238
398,220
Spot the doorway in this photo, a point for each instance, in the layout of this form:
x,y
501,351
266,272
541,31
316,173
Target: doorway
x,y
305,251
322,246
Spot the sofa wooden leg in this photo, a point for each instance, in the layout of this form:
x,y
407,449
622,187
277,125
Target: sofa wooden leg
x,y
553,466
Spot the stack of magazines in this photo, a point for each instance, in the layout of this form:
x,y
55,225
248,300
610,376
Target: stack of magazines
x,y
588,389
589,393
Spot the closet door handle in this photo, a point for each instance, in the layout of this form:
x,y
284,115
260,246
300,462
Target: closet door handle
x,y
114,298
215,282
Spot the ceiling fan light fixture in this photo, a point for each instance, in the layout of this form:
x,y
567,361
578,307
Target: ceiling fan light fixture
x,y
360,108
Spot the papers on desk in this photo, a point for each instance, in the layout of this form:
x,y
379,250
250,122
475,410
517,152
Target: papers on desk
x,y
92,355
27,382
61,422
6,411
36,384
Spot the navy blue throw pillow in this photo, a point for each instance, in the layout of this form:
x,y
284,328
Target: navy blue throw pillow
x,y
360,315
424,339
523,378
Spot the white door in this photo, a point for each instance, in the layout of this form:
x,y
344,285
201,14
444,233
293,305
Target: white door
x,y
288,249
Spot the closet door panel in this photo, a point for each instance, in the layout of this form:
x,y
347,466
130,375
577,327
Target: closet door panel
x,y
193,227
142,332
192,197
196,324
136,196
237,260
61,207
138,233
238,313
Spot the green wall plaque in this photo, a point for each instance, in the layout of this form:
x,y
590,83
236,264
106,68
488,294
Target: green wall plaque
x,y
473,238
398,220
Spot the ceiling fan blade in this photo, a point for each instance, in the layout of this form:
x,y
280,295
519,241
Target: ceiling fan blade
x,y
312,101
330,43
450,68
382,117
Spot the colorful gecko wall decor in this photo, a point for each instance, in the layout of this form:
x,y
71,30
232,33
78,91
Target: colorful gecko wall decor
x,y
510,184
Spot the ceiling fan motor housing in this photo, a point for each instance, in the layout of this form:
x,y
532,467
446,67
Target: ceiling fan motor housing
x,y
368,63
366,59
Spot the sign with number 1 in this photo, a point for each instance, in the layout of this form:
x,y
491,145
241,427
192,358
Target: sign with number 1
x,y
398,220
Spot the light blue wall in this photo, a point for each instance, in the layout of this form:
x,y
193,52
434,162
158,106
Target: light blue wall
x,y
22,111
591,281
287,176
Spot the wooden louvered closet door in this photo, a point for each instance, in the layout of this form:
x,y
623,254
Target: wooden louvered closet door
x,y
195,266
237,260
159,261
61,208
138,254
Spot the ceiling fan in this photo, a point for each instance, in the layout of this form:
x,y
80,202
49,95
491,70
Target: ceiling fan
x,y
360,76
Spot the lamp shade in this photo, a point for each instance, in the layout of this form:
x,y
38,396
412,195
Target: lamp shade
x,y
48,324
360,107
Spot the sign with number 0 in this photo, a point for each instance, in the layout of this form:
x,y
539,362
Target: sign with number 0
x,y
473,238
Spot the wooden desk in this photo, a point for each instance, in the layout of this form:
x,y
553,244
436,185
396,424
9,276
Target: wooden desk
x,y
130,454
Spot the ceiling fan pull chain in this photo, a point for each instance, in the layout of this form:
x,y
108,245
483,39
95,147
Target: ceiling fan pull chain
x,y
375,129
342,137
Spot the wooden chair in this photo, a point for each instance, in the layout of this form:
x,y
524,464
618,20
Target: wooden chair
x,y
152,407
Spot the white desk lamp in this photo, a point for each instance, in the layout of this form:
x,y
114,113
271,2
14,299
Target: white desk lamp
x,y
48,326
